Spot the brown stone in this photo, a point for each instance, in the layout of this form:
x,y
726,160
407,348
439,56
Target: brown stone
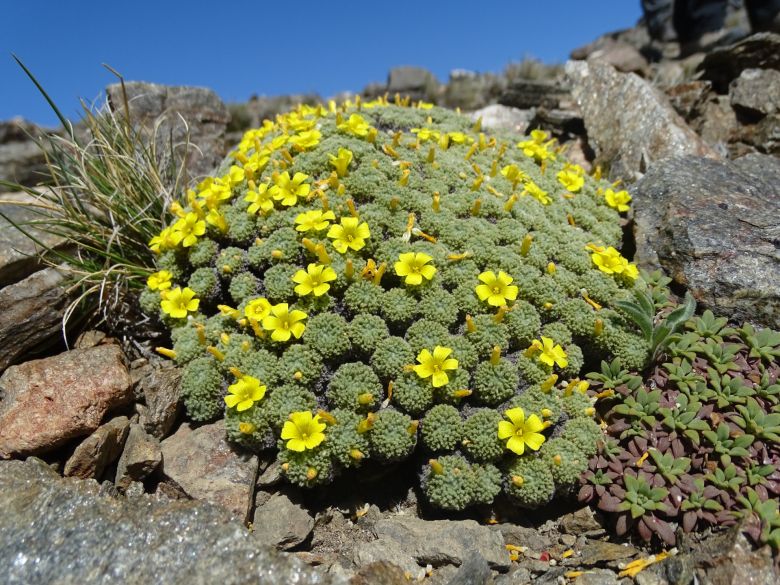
x,y
49,401
208,468
98,450
142,455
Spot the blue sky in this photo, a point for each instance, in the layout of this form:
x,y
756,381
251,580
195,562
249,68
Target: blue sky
x,y
258,47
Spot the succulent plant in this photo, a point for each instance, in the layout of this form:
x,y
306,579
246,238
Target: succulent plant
x,y
694,444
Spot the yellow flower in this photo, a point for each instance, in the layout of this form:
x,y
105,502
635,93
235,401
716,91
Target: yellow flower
x,y
521,431
459,137
257,309
424,105
355,125
159,280
179,303
187,230
288,190
571,180
315,220
414,267
496,290
350,234
260,200
550,353
306,140
610,261
244,393
314,279
165,241
425,134
235,176
435,365
284,323
216,219
536,147
536,192
214,192
617,200
342,161
303,431
514,174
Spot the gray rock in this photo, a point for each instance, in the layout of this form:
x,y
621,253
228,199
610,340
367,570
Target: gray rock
x,y
579,522
208,468
47,402
630,124
380,573
282,522
160,385
621,56
473,571
722,65
63,531
713,227
31,314
765,135
469,91
756,91
523,536
688,98
717,124
498,117
142,455
411,542
725,558
271,475
415,82
99,450
178,110
19,253
534,93
515,576
597,577
21,160
600,551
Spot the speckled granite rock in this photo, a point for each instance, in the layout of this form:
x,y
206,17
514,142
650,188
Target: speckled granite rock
x,y
630,123
65,532
713,226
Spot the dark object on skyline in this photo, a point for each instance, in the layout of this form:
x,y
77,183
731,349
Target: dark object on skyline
x,y
690,20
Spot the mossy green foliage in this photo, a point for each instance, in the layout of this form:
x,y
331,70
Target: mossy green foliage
x,y
409,182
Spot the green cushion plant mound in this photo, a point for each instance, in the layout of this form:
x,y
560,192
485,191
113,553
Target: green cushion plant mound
x,y
369,281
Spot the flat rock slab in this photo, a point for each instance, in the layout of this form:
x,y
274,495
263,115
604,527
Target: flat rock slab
x,y
207,468
713,226
18,253
63,531
412,543
44,403
630,123
31,314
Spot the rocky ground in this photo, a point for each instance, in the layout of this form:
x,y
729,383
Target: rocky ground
x,y
102,479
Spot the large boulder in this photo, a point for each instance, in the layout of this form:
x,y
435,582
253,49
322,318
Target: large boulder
x,y
630,124
415,82
45,403
66,532
179,111
31,313
712,225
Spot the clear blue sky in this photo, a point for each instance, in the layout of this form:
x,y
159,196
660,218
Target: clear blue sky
x,y
276,47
